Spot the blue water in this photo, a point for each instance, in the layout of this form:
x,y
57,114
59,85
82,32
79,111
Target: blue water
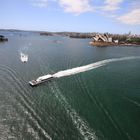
x,y
101,103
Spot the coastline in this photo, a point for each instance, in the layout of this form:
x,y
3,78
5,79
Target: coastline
x,y
123,39
108,44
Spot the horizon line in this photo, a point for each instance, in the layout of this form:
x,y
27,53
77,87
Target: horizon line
x,y
26,30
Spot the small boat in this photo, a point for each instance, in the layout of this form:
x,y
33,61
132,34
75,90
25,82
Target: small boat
x,y
3,38
23,57
41,79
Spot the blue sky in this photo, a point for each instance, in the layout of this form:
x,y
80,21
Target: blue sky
x,y
114,16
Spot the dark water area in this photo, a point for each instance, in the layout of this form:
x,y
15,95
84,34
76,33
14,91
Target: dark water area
x,y
99,104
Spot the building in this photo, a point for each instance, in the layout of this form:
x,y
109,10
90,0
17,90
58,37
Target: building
x,y
102,38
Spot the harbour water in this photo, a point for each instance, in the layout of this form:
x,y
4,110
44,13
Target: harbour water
x,y
88,101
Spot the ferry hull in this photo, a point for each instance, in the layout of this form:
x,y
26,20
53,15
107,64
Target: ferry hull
x,y
35,83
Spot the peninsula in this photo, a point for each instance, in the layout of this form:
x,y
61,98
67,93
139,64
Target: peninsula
x,y
102,39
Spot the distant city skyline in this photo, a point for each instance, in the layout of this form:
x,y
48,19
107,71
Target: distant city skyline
x,y
113,16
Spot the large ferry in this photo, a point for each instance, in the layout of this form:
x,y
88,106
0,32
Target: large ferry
x,y
41,79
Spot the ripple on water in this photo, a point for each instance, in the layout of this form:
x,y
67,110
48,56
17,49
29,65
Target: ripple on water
x,y
22,105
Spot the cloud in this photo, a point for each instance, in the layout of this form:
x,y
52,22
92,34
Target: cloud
x,y
81,6
131,18
76,6
111,5
40,3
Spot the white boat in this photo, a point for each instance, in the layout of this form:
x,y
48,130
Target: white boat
x,y
23,57
41,79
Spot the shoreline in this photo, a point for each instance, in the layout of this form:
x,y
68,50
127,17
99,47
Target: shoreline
x,y
108,44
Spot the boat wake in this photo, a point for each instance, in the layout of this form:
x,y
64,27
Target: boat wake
x,y
82,125
20,95
90,66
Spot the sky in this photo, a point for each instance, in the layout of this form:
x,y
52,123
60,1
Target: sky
x,y
113,16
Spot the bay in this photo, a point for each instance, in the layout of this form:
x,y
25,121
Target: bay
x,y
102,103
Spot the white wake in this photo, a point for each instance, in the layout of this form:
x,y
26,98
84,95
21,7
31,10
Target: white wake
x,y
90,66
81,125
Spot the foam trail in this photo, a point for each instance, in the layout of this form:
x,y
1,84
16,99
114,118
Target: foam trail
x,y
90,66
81,125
